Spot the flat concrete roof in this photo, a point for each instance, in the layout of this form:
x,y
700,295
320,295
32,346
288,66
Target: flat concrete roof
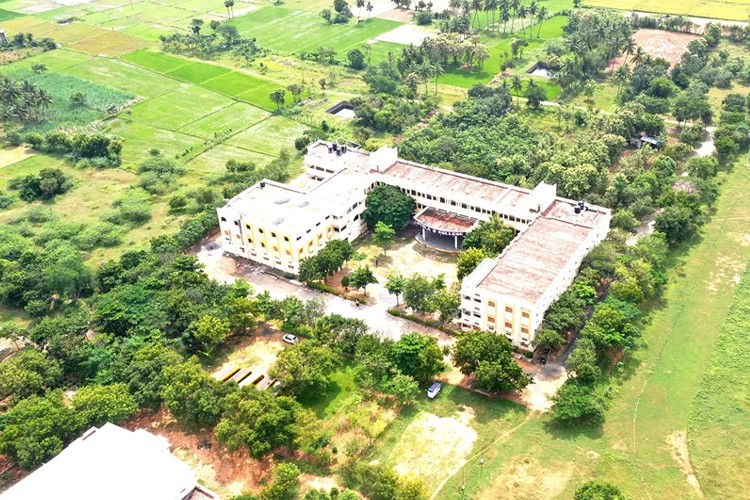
x,y
110,463
530,264
279,205
357,159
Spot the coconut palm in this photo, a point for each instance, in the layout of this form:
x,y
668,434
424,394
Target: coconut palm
x,y
517,86
638,56
629,47
621,76
541,16
514,5
522,13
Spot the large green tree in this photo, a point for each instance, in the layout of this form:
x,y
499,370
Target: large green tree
x,y
418,356
489,357
304,369
192,395
491,236
390,206
576,404
598,490
99,404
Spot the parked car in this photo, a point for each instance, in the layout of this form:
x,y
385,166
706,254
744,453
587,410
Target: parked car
x,y
290,339
434,390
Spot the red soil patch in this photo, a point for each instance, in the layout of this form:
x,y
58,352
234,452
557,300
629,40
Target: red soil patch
x,y
662,44
400,15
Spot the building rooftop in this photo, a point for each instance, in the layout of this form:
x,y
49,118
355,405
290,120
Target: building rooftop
x,y
115,464
530,264
319,154
444,222
274,204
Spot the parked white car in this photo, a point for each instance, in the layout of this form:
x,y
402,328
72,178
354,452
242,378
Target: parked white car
x,y
434,390
290,339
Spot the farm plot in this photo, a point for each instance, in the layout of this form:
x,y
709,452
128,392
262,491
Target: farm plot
x,y
271,26
125,76
111,43
196,72
63,113
139,137
176,109
213,160
270,135
233,118
737,10
55,60
7,15
155,61
235,83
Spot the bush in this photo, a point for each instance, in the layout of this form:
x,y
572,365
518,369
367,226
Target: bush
x,y
692,135
423,18
133,210
576,404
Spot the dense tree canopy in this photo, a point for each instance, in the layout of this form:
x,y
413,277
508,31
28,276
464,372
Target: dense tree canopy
x,y
390,206
489,357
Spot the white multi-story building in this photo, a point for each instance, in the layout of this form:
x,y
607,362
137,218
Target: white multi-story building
x,y
278,225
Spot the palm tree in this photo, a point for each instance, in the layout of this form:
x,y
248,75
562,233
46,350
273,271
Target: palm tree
x,y
369,8
533,9
541,16
517,86
621,76
522,13
437,72
629,47
455,5
229,4
360,4
425,72
514,5
638,56
476,6
504,13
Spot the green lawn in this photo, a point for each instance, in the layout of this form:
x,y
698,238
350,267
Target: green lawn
x,y
139,137
6,15
290,31
342,386
197,72
652,406
719,427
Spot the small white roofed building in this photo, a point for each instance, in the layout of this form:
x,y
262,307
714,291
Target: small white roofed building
x,y
278,226
112,463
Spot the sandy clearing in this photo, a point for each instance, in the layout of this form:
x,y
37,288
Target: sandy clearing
x,y
537,395
678,447
407,34
667,45
9,156
432,446
528,480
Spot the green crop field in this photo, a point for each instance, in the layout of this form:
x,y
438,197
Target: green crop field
x,y
138,138
125,76
233,118
197,72
290,31
213,160
737,10
178,108
155,61
235,83
270,135
6,15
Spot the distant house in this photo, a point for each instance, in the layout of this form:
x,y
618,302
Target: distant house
x,y
644,140
112,463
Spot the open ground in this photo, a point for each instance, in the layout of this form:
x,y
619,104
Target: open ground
x,y
736,10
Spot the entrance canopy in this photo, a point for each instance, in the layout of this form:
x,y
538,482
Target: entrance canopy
x,y
444,223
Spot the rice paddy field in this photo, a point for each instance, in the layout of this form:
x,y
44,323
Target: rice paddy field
x,y
735,10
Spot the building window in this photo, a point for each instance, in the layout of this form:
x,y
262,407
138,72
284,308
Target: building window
x,y
273,235
286,238
508,324
524,330
442,200
262,245
275,249
260,230
525,315
248,227
463,205
236,223
223,219
509,309
289,253
491,304
490,319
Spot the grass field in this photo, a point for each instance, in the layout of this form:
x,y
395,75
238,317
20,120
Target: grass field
x,y
290,31
737,10
179,108
720,422
500,49
233,118
62,113
6,15
642,445
125,76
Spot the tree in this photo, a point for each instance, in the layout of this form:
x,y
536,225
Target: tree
x,y
541,16
284,485
468,260
257,420
309,270
576,404
418,291
304,369
418,356
278,97
362,277
490,358
356,58
144,373
207,333
517,86
95,405
36,429
389,205
403,387
491,236
296,90
29,372
78,99
383,235
581,363
192,395
596,490
535,95
395,285
677,223
548,339
447,302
